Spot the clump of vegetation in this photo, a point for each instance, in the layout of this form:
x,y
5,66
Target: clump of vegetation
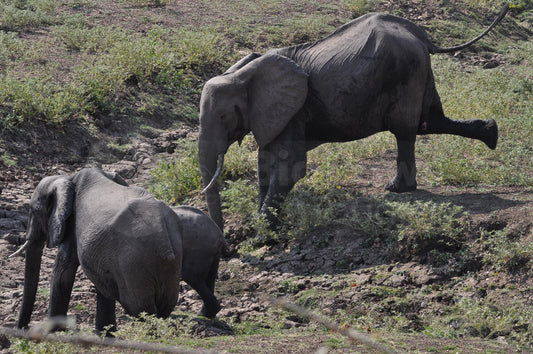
x,y
177,180
30,14
424,226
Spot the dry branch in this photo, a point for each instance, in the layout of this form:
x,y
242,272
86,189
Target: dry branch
x,y
88,341
350,333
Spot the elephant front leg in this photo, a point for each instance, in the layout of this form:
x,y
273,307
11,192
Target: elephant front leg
x,y
282,176
272,192
105,315
62,280
405,178
263,175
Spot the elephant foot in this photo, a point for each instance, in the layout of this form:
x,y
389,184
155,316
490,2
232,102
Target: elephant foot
x,y
260,241
491,137
210,312
398,185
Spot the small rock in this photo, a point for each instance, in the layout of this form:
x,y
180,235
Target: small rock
x,y
126,169
491,64
4,342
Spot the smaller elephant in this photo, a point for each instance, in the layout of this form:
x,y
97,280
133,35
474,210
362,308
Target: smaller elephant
x,y
128,244
203,245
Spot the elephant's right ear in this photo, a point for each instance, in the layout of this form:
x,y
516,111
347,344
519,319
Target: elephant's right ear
x,y
62,193
276,90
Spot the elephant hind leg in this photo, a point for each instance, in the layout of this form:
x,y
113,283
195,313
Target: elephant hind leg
x,y
211,305
405,178
484,130
204,286
435,122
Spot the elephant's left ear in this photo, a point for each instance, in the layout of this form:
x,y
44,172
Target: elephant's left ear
x,y
63,194
115,177
277,90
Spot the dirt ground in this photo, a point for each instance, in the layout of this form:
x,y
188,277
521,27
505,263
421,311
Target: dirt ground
x,y
244,281
284,269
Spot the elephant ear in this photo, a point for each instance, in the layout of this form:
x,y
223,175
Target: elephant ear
x,y
62,193
238,65
115,177
276,89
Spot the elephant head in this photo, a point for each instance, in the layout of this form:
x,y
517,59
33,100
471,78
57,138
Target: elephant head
x,y
50,206
259,94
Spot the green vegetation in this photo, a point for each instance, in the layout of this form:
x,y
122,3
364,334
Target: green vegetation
x,y
178,179
62,63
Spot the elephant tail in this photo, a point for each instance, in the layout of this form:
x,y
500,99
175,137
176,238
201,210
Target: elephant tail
x,y
433,49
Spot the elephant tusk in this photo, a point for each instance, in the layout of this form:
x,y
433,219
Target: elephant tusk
x,y
21,249
217,173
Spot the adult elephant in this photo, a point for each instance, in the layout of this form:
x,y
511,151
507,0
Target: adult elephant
x,y
128,244
370,75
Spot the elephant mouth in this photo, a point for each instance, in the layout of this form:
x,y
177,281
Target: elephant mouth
x,y
220,164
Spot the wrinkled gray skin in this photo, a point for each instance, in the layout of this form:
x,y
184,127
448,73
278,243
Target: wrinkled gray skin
x,y
371,75
127,242
203,245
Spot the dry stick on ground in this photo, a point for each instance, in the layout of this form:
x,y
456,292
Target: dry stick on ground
x,y
352,334
39,334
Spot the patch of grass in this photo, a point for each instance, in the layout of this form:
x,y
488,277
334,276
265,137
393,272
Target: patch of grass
x,y
29,14
335,165
8,160
359,7
112,60
298,30
176,180
505,252
79,36
492,318
156,3
35,97
428,222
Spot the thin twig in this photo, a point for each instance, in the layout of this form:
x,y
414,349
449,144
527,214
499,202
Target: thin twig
x,y
87,341
350,333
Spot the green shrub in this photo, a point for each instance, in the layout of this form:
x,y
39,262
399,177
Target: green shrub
x,y
239,198
428,222
11,47
177,180
505,254
241,161
28,14
492,318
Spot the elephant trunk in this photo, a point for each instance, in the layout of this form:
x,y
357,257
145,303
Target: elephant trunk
x,y
34,253
211,166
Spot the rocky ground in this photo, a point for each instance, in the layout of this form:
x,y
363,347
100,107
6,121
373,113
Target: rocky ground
x,y
342,269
